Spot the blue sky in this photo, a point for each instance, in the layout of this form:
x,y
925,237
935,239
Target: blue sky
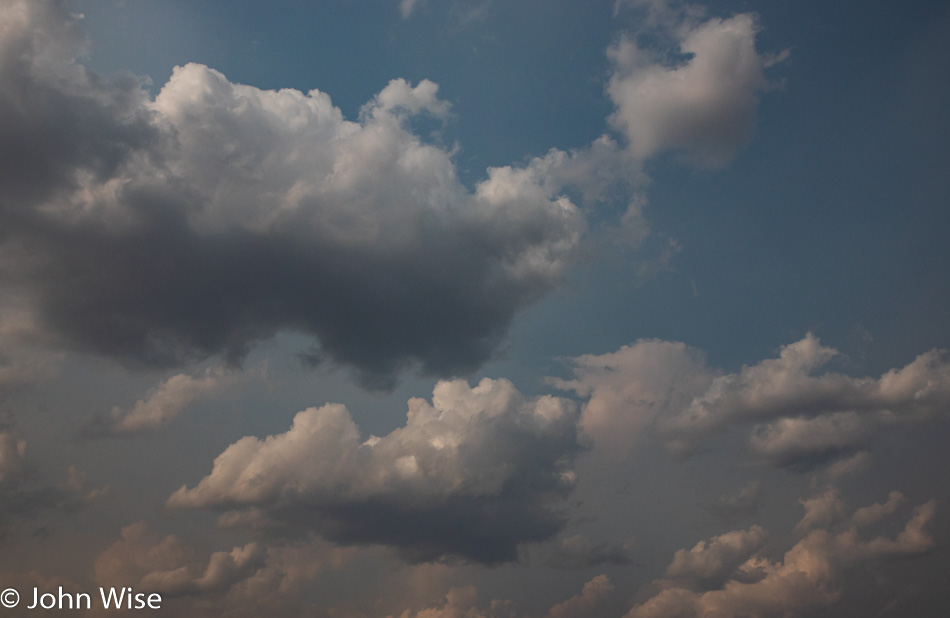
x,y
439,308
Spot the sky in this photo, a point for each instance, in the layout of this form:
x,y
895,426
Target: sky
x,y
476,309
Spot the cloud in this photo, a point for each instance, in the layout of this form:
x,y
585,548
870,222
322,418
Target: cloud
x,y
407,6
718,557
169,566
584,603
474,474
808,577
461,602
701,99
161,405
821,511
203,221
626,390
796,416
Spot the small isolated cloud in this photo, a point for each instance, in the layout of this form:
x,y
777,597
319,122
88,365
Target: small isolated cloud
x,y
796,416
808,577
160,406
474,474
699,100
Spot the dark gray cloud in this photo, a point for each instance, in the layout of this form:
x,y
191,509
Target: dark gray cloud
x,y
473,475
205,220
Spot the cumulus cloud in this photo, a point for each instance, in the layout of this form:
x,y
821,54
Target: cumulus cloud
x,y
718,557
586,602
217,214
808,577
168,565
796,416
248,580
701,98
821,511
474,474
626,390
161,405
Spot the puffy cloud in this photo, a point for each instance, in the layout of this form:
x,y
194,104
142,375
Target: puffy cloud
x,y
245,581
628,389
808,577
217,214
161,405
702,102
869,514
797,418
821,511
474,474
718,557
584,603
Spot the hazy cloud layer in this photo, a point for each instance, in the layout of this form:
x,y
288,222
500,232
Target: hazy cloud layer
x,y
797,416
216,214
808,577
473,474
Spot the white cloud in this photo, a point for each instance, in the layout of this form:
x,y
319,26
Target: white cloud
x,y
703,105
490,465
